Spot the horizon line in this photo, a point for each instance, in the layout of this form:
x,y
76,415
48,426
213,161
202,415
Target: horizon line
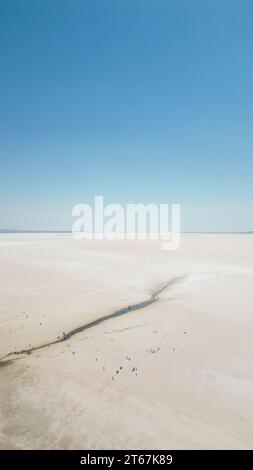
x,y
191,232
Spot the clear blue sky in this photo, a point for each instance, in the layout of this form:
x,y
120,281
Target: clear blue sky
x,y
140,101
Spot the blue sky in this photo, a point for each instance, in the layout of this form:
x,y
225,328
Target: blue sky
x,y
140,101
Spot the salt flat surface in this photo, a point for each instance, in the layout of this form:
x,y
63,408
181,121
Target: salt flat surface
x,y
176,374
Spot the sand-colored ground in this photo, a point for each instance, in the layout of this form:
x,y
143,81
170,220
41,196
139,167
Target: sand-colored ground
x,y
176,374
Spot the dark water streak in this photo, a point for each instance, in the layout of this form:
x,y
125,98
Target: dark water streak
x,y
123,311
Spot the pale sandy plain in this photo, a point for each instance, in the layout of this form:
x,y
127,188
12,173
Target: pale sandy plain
x,y
175,375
